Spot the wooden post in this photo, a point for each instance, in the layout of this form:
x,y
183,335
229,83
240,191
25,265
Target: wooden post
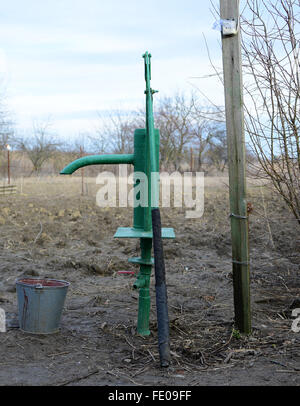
x,y
232,70
82,173
8,163
8,167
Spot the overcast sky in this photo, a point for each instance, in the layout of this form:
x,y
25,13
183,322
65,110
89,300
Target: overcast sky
x,y
69,59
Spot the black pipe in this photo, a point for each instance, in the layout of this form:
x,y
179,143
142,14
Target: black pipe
x,y
161,291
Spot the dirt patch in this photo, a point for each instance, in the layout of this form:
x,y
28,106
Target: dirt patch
x,y
50,231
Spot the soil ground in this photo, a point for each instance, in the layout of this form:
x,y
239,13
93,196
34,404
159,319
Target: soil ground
x,y
49,230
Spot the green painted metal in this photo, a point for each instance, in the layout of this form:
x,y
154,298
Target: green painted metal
x,y
140,260
151,139
143,284
111,159
142,215
130,232
142,222
139,166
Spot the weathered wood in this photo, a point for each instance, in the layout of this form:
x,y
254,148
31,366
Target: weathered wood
x,y
8,189
232,70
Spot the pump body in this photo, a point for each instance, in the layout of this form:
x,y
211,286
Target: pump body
x,y
142,223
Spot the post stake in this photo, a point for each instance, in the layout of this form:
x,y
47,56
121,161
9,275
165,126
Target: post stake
x,y
8,164
232,70
82,173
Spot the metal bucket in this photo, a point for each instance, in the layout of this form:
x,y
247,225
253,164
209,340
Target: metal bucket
x,y
40,304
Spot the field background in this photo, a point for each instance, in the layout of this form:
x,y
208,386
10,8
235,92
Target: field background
x,y
49,229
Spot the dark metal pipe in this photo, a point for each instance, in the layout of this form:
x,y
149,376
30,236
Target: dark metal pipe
x,y
161,291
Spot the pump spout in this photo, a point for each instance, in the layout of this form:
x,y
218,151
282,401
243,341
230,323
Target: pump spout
x,y
109,159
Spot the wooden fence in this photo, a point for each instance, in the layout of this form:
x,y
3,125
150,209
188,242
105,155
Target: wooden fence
x,y
8,190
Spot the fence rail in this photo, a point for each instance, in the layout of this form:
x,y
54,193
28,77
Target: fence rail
x,y
8,190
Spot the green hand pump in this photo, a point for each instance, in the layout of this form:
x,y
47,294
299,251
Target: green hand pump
x,y
146,219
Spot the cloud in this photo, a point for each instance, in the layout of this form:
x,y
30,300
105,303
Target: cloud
x,y
73,56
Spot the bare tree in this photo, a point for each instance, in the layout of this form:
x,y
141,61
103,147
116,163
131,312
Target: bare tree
x,y
182,122
40,146
208,128
175,118
271,45
7,133
116,132
217,151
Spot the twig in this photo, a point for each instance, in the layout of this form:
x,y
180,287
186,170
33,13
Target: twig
x,y
58,354
266,217
140,371
38,235
152,356
79,378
